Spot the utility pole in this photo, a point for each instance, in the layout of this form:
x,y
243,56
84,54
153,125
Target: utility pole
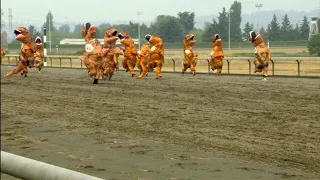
x,y
138,13
258,6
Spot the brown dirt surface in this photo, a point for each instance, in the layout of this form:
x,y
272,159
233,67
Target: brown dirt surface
x,y
179,127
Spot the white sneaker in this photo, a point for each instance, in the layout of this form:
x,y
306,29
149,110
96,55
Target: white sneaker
x,y
264,79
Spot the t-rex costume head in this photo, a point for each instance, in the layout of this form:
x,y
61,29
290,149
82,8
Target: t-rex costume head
x,y
256,39
110,38
22,35
189,40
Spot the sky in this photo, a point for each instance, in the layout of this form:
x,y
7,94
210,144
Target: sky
x,y
34,11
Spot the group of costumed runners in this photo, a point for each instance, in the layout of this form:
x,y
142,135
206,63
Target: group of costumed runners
x,y
102,60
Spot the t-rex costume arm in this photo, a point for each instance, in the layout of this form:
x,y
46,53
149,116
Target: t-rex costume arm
x,y
130,53
26,58
190,58
155,56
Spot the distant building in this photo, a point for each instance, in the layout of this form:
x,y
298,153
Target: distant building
x,y
82,42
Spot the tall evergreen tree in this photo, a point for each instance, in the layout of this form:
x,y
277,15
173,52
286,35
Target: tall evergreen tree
x,y
273,30
235,22
223,25
304,29
247,28
186,19
286,29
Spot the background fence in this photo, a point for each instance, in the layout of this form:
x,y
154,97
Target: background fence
x,y
279,66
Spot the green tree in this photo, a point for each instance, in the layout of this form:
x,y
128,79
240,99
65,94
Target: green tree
x,y
235,22
314,45
273,30
186,19
247,28
168,28
304,29
223,25
209,30
33,31
286,29
296,33
64,29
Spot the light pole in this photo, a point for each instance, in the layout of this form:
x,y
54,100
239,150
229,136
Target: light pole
x,y
138,13
50,30
229,27
258,6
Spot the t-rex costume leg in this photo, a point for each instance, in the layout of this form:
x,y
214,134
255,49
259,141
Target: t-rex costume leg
x,y
262,54
217,55
92,52
155,57
26,58
130,53
190,58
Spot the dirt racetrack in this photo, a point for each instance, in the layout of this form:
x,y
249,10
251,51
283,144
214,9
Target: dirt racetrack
x,y
179,127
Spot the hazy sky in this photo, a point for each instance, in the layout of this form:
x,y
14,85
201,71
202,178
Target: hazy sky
x,y
34,11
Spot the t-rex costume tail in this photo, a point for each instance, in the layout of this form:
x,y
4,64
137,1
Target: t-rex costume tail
x,y
26,58
155,56
217,55
262,54
110,53
39,54
130,53
190,58
92,52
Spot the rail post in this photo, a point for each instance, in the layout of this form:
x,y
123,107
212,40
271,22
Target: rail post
x,y
208,66
16,59
174,65
228,61
273,61
249,61
60,61
299,62
50,61
8,60
25,168
70,62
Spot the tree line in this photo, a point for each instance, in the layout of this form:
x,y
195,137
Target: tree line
x,y
173,28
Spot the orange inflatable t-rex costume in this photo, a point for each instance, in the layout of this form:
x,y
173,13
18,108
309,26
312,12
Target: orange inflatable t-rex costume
x,y
155,57
190,58
92,52
130,53
262,54
26,58
143,57
39,54
217,55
